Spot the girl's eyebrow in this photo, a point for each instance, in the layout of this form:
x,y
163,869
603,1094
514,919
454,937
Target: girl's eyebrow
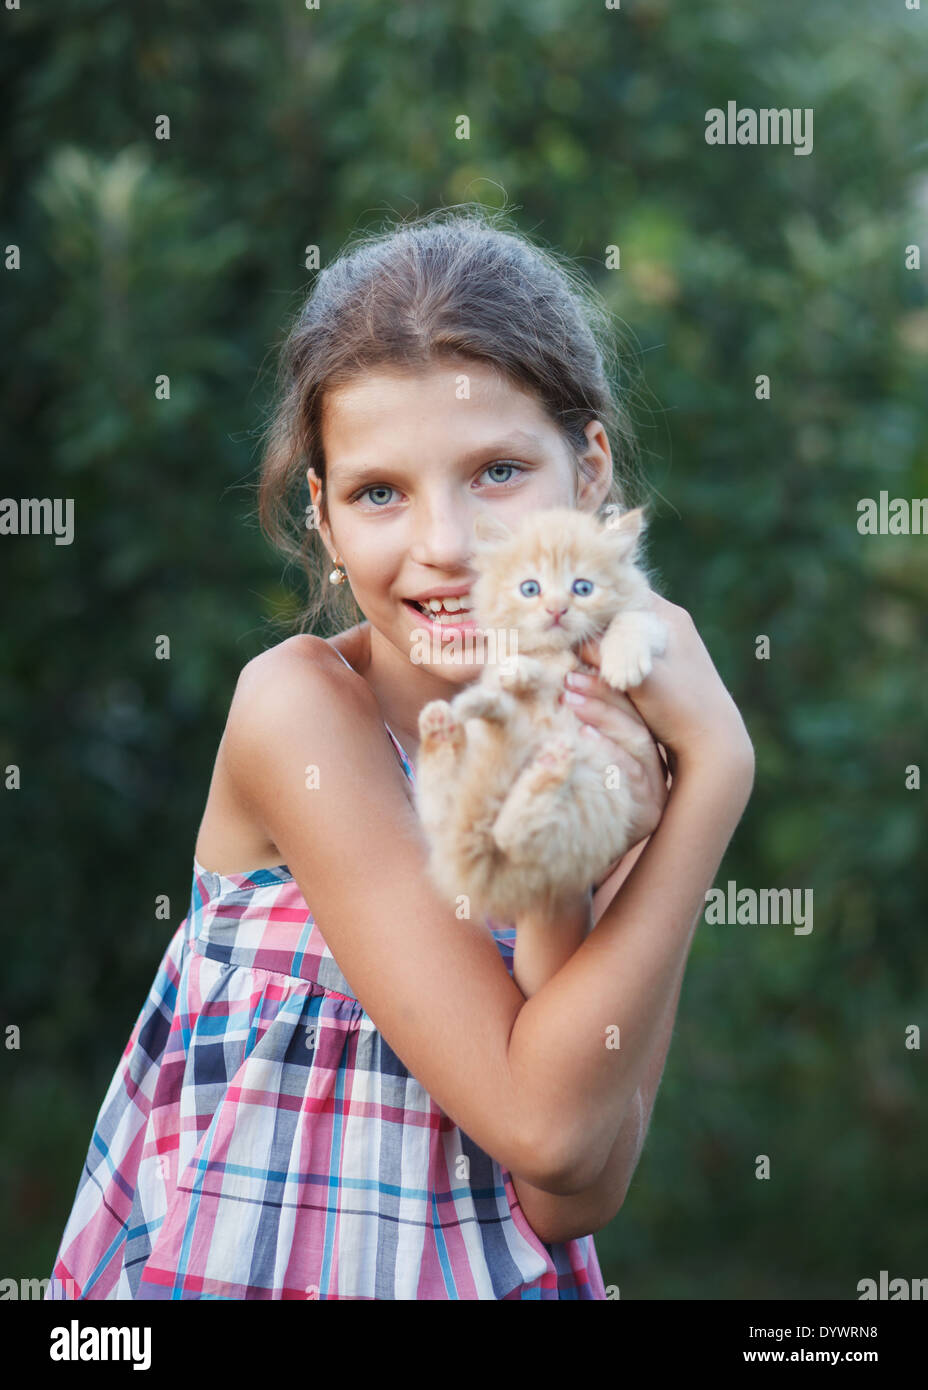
x,y
351,476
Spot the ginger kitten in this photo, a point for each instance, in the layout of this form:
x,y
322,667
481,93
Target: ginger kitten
x,y
518,807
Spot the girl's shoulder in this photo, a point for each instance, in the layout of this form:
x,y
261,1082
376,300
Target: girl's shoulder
x,y
278,688
274,693
302,671
308,657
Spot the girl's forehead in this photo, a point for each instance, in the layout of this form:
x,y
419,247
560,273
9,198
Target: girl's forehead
x,y
476,403
484,380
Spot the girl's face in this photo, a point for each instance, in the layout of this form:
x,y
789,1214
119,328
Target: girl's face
x,y
412,459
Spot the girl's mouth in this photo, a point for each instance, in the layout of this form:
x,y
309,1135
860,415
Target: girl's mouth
x,y
462,621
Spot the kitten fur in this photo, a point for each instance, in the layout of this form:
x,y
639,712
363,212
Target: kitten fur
x,y
518,807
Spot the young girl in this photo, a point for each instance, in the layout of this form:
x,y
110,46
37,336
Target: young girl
x,y
339,1088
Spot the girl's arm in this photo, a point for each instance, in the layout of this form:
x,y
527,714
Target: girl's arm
x,y
626,974
565,1218
620,984
543,946
557,1218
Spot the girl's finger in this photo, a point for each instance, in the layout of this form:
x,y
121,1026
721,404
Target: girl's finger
x,y
596,686
613,722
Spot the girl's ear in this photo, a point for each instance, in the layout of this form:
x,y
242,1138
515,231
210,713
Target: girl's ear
x,y
626,529
490,529
315,492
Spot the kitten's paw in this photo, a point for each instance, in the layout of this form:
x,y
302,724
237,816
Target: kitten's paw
x,y
628,648
439,725
522,676
554,760
626,669
480,703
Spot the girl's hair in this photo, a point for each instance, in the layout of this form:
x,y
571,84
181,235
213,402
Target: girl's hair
x,y
451,284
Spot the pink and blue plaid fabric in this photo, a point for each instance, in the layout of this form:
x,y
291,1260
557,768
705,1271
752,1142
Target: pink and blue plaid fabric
x,y
260,1139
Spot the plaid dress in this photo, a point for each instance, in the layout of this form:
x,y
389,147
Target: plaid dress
x,y
260,1139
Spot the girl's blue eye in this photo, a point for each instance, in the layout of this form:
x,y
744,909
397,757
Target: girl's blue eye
x,y
576,586
376,487
384,487
503,465
530,588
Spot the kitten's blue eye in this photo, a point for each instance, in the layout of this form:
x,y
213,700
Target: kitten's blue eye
x,y
530,588
578,588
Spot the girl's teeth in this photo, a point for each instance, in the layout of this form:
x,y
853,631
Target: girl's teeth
x,y
438,610
449,605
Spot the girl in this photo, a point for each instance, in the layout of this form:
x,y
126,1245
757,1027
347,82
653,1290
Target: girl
x,y
338,1088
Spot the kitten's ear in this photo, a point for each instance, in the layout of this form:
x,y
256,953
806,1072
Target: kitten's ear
x,y
489,528
626,530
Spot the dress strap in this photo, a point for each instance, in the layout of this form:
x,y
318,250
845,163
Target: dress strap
x,y
344,658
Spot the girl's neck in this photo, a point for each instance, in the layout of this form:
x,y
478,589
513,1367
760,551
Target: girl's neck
x,y
401,689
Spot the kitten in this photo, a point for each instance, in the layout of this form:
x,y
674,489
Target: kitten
x,y
518,809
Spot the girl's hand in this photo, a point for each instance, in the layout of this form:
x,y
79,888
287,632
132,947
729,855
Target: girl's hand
x,y
684,703
612,716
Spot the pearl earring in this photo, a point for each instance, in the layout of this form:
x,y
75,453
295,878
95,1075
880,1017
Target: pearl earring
x,y
338,575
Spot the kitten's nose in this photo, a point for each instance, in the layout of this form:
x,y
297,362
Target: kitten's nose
x,y
556,612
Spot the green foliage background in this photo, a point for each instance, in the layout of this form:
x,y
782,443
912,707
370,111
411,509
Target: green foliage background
x,y
292,126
